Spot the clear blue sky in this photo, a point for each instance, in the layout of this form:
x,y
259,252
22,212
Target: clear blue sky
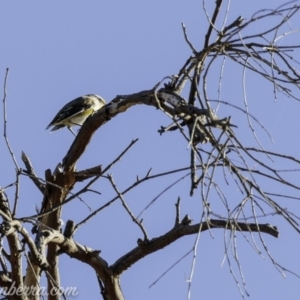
x,y
57,51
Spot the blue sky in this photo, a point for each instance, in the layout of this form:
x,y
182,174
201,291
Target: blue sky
x,y
57,51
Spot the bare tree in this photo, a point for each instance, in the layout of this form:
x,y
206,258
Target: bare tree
x,y
218,158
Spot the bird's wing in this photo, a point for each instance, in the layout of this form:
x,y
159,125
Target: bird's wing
x,y
68,111
56,127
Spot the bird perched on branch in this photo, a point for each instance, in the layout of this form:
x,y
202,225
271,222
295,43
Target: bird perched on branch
x,y
76,112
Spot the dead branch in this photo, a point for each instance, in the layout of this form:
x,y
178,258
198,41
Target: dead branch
x,y
31,173
183,229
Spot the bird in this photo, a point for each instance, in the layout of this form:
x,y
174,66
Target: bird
x,y
76,112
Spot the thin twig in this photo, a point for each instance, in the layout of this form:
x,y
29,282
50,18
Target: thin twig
x,y
5,121
120,196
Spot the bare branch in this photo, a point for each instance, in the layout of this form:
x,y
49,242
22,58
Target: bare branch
x,y
5,121
120,196
31,173
177,232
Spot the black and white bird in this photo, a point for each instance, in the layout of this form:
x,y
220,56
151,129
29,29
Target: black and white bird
x,y
76,112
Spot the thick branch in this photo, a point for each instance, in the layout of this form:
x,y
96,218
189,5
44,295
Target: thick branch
x,y
98,119
112,290
88,173
181,230
13,227
31,173
14,247
171,103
